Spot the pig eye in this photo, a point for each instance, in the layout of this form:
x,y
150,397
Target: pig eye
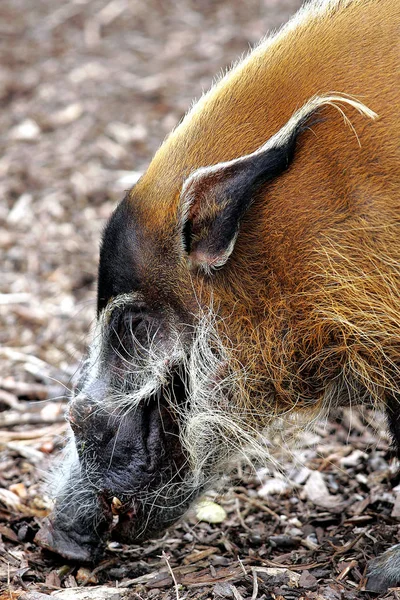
x,y
125,325
128,322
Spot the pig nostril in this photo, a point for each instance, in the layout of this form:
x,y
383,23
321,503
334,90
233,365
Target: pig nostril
x,y
80,407
73,420
126,323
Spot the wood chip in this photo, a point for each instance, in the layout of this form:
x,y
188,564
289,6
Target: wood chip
x,y
199,555
396,508
316,490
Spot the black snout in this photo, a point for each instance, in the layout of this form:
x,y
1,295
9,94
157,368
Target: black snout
x,y
130,463
81,522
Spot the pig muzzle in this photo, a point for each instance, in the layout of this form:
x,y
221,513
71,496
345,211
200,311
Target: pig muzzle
x,y
127,480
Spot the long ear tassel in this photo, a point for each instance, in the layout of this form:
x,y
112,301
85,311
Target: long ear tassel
x,y
214,199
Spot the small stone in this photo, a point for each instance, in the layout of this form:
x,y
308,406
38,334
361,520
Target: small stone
x,y
23,532
26,131
255,539
19,489
308,581
353,459
301,475
51,411
378,463
294,532
361,478
279,576
283,542
47,447
396,507
124,134
273,486
67,115
119,572
21,211
317,491
220,561
129,179
210,512
311,541
53,580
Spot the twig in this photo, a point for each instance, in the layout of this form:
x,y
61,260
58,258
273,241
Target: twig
x,y
141,579
236,594
240,516
165,557
33,455
22,388
343,549
302,567
347,570
53,430
11,420
35,365
58,17
104,565
197,556
111,11
19,297
9,399
255,585
242,566
259,505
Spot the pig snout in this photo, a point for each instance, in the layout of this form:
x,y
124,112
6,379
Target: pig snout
x,y
116,464
76,536
82,518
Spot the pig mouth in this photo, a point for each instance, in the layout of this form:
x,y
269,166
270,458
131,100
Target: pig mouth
x,y
133,473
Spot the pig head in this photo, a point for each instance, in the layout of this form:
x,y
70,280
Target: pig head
x,y
202,339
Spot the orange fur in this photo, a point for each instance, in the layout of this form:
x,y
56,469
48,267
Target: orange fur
x,y
311,293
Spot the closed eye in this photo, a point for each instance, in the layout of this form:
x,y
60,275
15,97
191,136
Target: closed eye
x,y
124,327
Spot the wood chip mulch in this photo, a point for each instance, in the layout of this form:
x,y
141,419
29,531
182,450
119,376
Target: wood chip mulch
x,y
88,90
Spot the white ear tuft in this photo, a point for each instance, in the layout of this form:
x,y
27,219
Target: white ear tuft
x,y
214,199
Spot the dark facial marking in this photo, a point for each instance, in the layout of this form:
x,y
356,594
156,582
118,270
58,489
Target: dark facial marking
x,y
118,273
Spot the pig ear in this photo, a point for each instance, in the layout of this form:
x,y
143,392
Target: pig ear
x,y
215,199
